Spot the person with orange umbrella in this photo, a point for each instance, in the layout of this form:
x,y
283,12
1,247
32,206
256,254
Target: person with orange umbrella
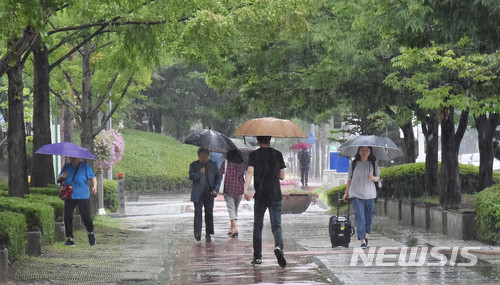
x,y
267,167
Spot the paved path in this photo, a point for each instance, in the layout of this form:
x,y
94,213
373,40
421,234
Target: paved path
x,y
162,250
311,260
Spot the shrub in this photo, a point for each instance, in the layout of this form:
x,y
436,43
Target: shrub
x,y
488,214
38,215
153,162
51,200
110,197
407,181
110,188
51,190
4,185
13,233
333,195
402,181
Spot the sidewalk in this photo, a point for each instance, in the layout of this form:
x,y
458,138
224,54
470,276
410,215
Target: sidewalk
x,y
157,246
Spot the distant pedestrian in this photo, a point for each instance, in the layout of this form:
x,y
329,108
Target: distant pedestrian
x,y
206,182
217,157
304,162
268,167
363,172
77,173
234,181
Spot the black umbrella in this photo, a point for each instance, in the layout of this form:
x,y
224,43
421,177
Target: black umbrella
x,y
211,140
383,148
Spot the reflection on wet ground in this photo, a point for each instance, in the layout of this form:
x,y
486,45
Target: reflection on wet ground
x,y
155,245
226,260
310,258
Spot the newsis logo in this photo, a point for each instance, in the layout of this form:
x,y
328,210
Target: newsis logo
x,y
414,256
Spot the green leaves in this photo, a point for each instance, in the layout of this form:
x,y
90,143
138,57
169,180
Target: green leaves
x,y
445,75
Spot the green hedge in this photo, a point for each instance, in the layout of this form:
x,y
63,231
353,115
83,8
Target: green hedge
x,y
51,190
402,181
154,162
407,181
110,195
4,185
488,214
53,201
13,233
334,194
38,215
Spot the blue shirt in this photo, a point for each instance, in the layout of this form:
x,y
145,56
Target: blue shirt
x,y
217,158
83,174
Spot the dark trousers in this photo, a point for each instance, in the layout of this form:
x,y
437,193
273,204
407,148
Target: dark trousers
x,y
304,175
84,209
206,201
259,210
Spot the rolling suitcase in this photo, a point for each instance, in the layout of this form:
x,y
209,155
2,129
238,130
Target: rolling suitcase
x,y
340,228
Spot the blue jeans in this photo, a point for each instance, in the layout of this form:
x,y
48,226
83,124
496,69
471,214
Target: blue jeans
x,y
260,208
363,213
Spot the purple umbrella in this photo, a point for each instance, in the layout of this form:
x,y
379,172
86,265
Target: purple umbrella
x,y
66,149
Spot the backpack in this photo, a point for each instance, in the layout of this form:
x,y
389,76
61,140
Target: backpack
x,y
378,184
304,158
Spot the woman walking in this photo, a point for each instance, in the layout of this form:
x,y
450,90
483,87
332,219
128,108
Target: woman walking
x,y
77,173
233,187
363,174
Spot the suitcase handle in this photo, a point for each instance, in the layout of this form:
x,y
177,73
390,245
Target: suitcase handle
x,y
348,206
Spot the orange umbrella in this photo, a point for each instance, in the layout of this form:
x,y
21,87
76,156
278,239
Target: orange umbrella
x,y
270,127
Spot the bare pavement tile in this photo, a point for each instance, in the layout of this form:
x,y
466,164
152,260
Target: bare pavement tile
x,y
158,247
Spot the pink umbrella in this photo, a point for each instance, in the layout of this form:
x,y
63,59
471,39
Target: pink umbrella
x,y
300,145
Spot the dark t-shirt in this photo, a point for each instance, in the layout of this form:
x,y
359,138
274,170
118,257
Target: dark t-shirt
x,y
267,163
304,158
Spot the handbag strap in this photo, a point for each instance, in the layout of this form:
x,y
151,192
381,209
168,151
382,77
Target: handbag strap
x,y
74,174
223,177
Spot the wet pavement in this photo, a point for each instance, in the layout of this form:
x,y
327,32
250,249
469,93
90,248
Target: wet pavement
x,y
310,257
162,250
224,260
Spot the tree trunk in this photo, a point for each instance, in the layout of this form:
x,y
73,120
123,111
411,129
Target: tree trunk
x,y
18,47
430,127
87,134
409,142
156,121
450,192
67,125
17,164
486,130
42,172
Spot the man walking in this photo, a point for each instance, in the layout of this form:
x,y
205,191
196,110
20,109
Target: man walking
x,y
268,167
304,161
206,182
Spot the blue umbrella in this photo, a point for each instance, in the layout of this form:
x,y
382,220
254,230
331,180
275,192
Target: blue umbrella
x,y
66,149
